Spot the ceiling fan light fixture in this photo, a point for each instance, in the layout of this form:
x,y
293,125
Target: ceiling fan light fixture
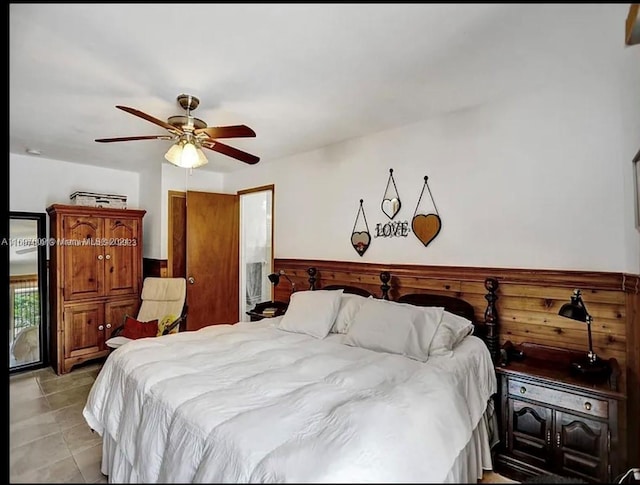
x,y
186,154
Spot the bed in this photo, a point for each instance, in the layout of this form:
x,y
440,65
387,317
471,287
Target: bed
x,y
254,403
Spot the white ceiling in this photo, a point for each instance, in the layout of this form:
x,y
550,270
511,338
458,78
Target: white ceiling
x,y
302,76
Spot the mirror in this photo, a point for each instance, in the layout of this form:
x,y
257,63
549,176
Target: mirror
x,y
27,291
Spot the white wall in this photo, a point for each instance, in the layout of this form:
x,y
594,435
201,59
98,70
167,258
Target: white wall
x,y
151,200
35,182
540,180
629,105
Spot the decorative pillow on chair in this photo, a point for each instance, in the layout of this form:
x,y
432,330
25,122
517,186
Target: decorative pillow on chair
x,y
134,329
311,312
165,322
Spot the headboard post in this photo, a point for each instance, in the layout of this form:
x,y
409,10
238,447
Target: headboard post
x,y
385,276
312,272
491,318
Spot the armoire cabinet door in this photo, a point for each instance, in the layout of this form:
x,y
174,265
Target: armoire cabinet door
x,y
121,263
115,311
83,257
83,329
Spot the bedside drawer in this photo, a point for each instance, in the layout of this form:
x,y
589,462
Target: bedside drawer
x,y
564,399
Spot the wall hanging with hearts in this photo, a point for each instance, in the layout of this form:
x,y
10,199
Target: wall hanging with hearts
x,y
391,200
360,239
426,226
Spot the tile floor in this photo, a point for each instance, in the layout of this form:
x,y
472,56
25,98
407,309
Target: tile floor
x,y
49,438
50,441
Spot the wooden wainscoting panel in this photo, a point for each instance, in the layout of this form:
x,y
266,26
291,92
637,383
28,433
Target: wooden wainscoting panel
x,y
633,371
154,267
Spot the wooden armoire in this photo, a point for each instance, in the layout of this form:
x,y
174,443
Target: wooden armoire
x,y
95,275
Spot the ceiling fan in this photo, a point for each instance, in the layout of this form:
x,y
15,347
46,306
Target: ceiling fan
x,y
190,134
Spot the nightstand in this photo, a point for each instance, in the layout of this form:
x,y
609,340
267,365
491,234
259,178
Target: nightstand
x,y
553,421
267,309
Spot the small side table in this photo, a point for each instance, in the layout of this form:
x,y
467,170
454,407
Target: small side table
x,y
267,309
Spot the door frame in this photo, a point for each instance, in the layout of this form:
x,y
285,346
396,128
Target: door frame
x,y
43,277
261,188
176,199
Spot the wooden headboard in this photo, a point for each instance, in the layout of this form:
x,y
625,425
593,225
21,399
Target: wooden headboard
x,y
486,329
353,290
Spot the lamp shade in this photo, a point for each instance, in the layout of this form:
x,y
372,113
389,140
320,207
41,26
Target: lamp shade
x,y
274,278
575,310
186,154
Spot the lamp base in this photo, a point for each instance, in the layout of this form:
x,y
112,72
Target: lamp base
x,y
586,367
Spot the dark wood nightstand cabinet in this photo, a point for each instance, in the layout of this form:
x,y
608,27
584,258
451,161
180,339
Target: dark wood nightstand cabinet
x,y
267,309
553,421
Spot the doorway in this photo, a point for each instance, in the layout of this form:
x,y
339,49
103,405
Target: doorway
x,y
256,247
247,243
28,330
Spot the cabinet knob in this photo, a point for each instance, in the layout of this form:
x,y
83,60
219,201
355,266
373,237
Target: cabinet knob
x,y
108,256
523,390
108,325
100,257
587,406
101,327
191,280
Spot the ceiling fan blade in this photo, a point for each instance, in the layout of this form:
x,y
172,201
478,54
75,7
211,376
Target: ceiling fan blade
x,y
25,250
235,131
131,138
245,157
145,116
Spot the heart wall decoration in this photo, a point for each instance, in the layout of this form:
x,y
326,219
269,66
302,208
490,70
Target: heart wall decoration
x,y
391,200
360,239
426,226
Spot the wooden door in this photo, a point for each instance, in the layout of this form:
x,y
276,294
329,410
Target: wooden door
x,y
121,256
212,259
83,256
83,329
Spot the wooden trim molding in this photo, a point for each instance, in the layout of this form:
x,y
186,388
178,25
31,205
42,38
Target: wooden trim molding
x,y
594,280
23,278
632,27
631,283
175,200
255,189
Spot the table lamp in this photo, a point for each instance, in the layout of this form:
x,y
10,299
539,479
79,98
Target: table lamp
x,y
576,310
275,279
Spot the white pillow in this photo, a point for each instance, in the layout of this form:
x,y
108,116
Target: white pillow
x,y
423,333
396,328
349,306
311,312
452,330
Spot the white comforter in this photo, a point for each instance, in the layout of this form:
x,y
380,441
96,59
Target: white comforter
x,y
251,403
